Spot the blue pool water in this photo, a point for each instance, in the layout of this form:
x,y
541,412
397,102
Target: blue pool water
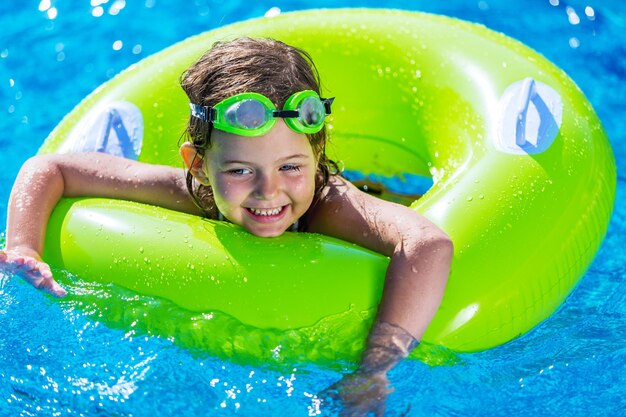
x,y
54,361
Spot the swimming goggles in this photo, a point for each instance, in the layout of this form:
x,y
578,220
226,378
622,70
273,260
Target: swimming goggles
x,y
253,114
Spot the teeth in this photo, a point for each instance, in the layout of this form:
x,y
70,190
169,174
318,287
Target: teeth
x,y
266,212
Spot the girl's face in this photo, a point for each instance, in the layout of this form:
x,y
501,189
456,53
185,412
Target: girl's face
x,y
262,183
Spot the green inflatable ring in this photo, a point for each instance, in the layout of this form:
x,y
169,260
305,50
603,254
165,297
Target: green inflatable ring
x,y
526,207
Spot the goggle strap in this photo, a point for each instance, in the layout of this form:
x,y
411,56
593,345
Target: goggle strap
x,y
294,113
203,113
327,102
286,113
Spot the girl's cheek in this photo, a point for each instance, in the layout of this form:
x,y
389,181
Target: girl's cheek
x,y
303,186
224,187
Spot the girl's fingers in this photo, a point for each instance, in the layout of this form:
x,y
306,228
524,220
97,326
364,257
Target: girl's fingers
x,y
48,285
53,288
35,272
31,263
26,263
43,269
45,272
47,282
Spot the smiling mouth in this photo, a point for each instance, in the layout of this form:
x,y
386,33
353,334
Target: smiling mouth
x,y
266,212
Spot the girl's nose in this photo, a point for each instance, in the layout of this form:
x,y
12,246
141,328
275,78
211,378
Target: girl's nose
x,y
266,187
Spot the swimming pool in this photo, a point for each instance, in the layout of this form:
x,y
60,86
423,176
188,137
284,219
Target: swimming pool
x,y
55,361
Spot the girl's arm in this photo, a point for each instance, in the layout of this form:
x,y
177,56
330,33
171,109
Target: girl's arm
x,y
420,253
420,256
43,180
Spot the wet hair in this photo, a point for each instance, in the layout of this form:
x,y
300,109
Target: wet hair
x,y
264,66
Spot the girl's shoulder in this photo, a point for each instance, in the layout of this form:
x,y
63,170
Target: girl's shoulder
x,y
338,187
336,191
344,211
334,200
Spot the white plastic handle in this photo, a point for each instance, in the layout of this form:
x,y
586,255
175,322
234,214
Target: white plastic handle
x,y
115,128
530,115
526,94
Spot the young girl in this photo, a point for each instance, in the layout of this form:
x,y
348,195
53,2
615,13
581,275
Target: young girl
x,y
266,171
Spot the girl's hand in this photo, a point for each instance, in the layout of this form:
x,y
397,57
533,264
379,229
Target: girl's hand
x,y
32,269
366,390
360,394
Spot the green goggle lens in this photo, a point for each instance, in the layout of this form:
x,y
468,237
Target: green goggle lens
x,y
312,112
247,114
253,114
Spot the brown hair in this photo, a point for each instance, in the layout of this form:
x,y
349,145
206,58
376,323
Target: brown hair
x,y
264,66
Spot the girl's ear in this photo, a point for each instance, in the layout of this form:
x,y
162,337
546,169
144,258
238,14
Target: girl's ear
x,y
194,162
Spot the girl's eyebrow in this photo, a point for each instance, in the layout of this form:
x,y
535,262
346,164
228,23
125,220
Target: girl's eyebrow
x,y
294,156
286,158
234,161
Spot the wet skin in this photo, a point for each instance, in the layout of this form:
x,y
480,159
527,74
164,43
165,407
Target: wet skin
x,y
264,183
